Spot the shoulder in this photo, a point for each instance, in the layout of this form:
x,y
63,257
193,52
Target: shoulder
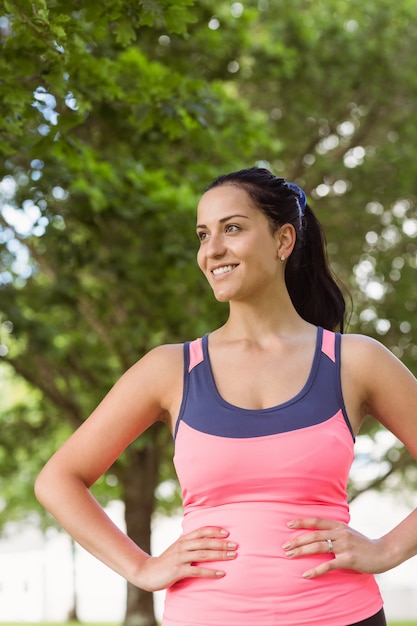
x,y
387,387
153,375
368,358
359,349
168,353
367,366
162,364
150,390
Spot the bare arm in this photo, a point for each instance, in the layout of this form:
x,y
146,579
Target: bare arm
x,y
149,391
375,383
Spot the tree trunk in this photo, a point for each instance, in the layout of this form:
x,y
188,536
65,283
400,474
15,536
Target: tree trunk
x,y
139,608
140,482
73,612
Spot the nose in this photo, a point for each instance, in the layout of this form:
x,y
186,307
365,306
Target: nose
x,y
215,246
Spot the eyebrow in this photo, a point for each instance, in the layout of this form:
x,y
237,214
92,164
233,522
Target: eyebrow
x,y
225,219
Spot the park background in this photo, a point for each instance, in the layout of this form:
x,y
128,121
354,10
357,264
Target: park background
x,y
114,117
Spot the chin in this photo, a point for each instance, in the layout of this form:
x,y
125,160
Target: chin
x,y
221,297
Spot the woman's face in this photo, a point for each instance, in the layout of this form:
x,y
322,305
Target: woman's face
x,y
238,254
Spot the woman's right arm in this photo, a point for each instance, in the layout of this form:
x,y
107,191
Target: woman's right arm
x,y
149,391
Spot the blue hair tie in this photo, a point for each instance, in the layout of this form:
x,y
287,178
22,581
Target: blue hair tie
x,y
301,197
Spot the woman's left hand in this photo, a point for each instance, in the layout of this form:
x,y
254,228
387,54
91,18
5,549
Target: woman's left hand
x,y
351,549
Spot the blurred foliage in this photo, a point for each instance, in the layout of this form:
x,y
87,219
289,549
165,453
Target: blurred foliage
x,y
114,116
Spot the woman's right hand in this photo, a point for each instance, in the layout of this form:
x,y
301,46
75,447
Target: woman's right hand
x,y
180,560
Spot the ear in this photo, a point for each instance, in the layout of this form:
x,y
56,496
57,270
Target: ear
x,y
286,237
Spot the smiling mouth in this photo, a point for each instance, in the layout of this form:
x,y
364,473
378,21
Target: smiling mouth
x,y
223,270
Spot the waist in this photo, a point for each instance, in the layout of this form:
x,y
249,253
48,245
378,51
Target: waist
x,y
262,586
260,530
258,523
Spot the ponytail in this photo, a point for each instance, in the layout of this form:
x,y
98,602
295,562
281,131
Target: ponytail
x,y
312,286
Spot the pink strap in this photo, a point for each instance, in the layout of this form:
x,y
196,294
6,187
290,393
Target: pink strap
x,y
328,343
196,353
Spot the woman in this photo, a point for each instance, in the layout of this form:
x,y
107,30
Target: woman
x,y
264,411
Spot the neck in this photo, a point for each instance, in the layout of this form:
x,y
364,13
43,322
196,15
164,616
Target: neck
x,y
263,320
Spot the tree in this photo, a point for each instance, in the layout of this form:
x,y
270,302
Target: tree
x,y
96,164
115,115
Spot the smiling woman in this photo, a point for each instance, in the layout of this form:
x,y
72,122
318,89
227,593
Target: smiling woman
x,y
231,242
260,196
264,412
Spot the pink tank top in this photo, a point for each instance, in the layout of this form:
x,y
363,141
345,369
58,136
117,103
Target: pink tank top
x,y
252,471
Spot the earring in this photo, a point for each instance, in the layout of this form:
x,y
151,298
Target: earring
x,y
282,257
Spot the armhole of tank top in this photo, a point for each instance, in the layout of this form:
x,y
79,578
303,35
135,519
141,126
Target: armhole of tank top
x,y
339,390
186,349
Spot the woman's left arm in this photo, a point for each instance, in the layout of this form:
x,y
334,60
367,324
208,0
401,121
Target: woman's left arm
x,y
374,383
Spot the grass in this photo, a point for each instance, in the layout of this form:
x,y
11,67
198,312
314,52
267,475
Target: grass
x,y
413,623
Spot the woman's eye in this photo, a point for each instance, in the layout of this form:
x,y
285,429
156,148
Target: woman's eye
x,y
232,228
201,235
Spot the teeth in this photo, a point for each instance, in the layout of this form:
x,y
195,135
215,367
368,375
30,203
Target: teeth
x,y
223,270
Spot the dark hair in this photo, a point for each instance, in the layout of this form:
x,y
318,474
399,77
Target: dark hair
x,y
312,286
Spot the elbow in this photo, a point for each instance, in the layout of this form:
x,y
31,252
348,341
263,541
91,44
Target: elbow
x,y
47,485
41,488
56,485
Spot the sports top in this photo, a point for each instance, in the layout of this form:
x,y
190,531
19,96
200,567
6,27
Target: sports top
x,y
251,472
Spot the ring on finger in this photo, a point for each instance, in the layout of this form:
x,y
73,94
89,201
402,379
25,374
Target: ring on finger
x,y
329,545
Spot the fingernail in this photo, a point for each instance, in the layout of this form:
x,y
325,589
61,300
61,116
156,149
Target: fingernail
x,y
286,546
291,524
224,532
231,545
220,574
230,554
290,553
307,574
